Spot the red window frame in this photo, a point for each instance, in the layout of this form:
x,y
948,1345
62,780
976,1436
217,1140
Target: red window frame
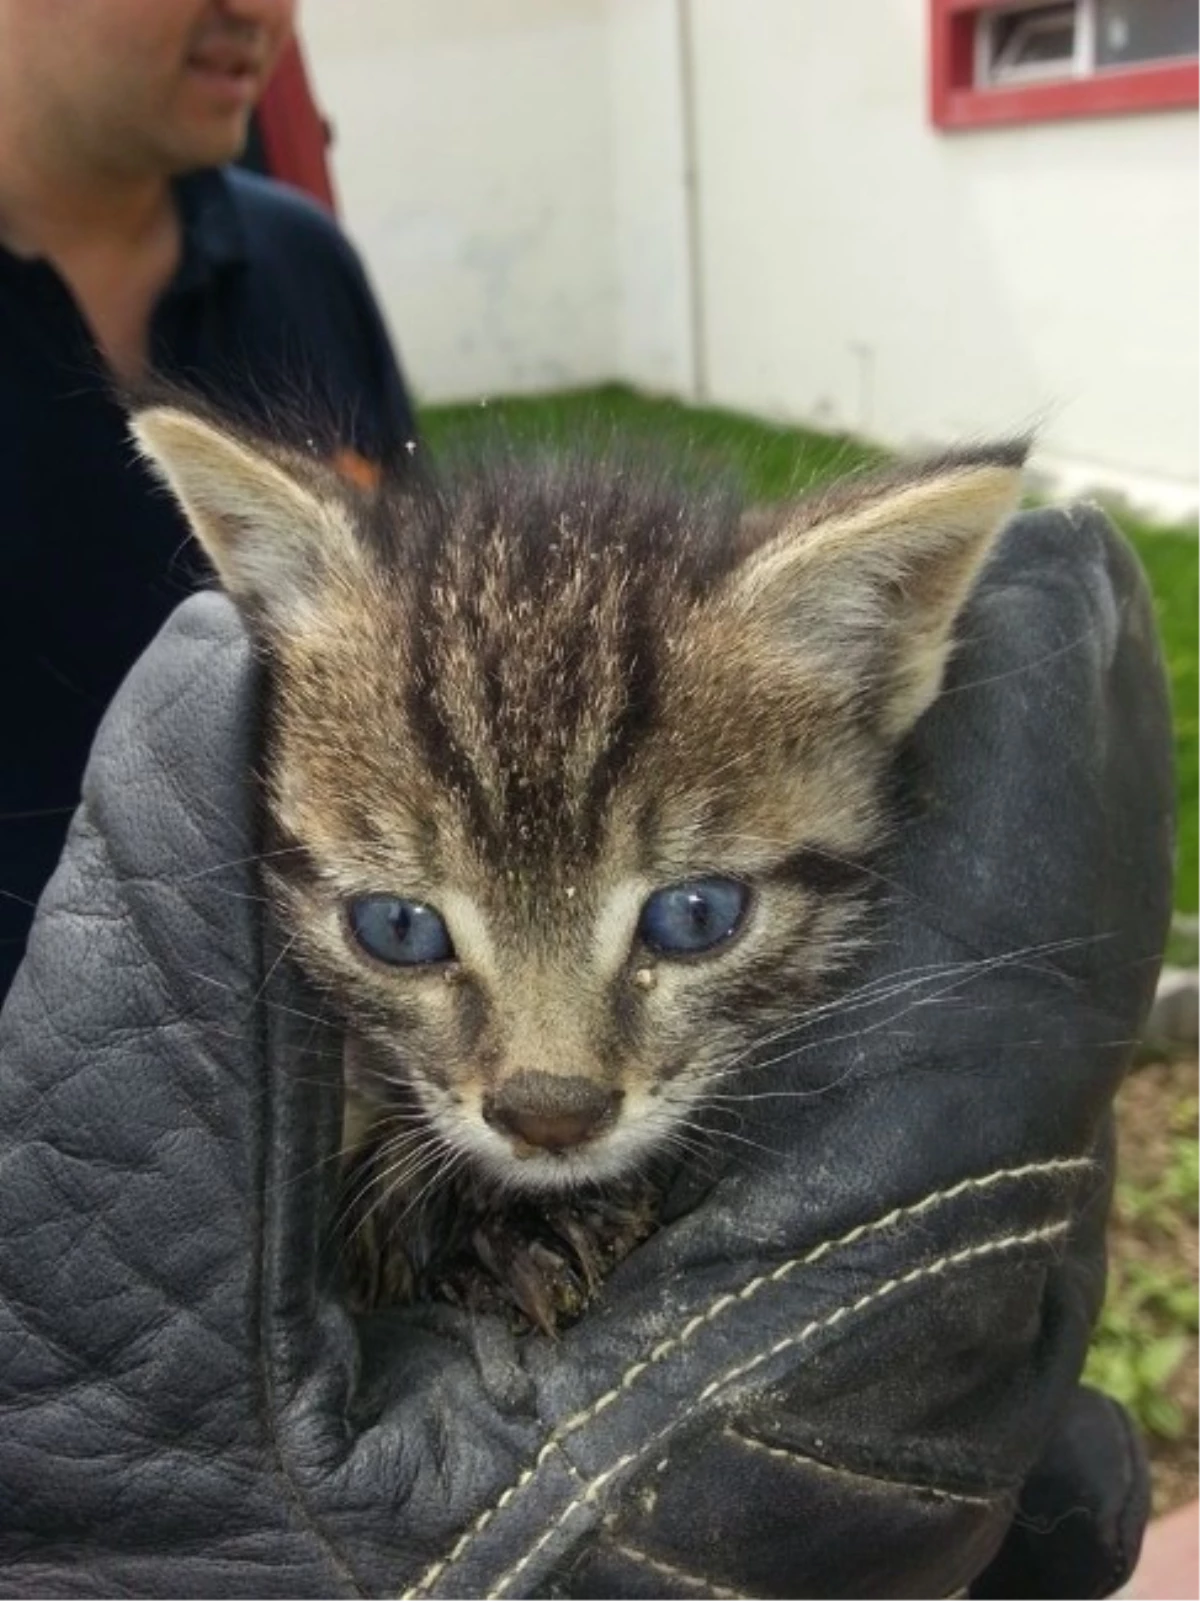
x,y
955,102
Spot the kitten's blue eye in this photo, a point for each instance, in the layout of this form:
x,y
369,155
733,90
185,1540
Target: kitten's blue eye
x,y
401,933
693,916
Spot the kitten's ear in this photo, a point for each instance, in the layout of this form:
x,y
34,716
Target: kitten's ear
x,y
273,529
864,583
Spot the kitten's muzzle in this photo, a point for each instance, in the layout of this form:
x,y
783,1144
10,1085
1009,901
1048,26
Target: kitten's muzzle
x,y
551,1112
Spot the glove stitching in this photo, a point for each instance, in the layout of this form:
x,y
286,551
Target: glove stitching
x,y
1054,1166
643,1559
927,1270
800,1459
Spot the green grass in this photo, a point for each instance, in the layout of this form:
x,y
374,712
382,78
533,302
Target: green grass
x,y
1141,1342
1150,1314
774,462
1183,948
1169,557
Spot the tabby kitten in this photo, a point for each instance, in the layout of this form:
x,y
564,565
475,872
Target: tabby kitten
x,y
568,769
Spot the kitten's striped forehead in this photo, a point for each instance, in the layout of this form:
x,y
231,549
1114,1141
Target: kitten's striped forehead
x,y
541,621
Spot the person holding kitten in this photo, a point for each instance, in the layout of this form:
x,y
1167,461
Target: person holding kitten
x,y
127,245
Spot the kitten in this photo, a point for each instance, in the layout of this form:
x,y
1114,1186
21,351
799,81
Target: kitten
x,y
569,770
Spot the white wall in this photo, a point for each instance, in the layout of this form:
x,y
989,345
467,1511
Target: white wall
x,y
650,185
863,270
517,172
474,168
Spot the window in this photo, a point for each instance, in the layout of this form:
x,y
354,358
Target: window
x,y
1027,45
1023,61
1130,32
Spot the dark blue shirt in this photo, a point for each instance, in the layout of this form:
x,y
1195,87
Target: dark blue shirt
x,y
269,312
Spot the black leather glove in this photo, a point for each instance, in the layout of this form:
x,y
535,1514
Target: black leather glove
x,y
831,1373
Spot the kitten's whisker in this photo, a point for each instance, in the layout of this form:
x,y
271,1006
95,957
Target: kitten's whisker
x,y
728,1134
318,1166
241,895
337,1155
270,972
283,1010
452,1160
1075,644
886,985
442,1159
881,991
254,860
868,997
271,1005
678,1139
359,1186
413,1151
877,876
400,1146
750,1096
398,1176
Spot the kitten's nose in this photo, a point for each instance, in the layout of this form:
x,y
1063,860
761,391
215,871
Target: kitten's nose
x,y
551,1111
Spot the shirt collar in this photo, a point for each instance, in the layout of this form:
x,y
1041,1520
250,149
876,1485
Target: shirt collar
x,y
214,235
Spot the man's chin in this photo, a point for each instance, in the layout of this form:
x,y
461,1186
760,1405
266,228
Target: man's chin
x,y
209,147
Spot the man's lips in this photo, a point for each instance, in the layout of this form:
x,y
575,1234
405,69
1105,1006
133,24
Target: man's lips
x,y
229,64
